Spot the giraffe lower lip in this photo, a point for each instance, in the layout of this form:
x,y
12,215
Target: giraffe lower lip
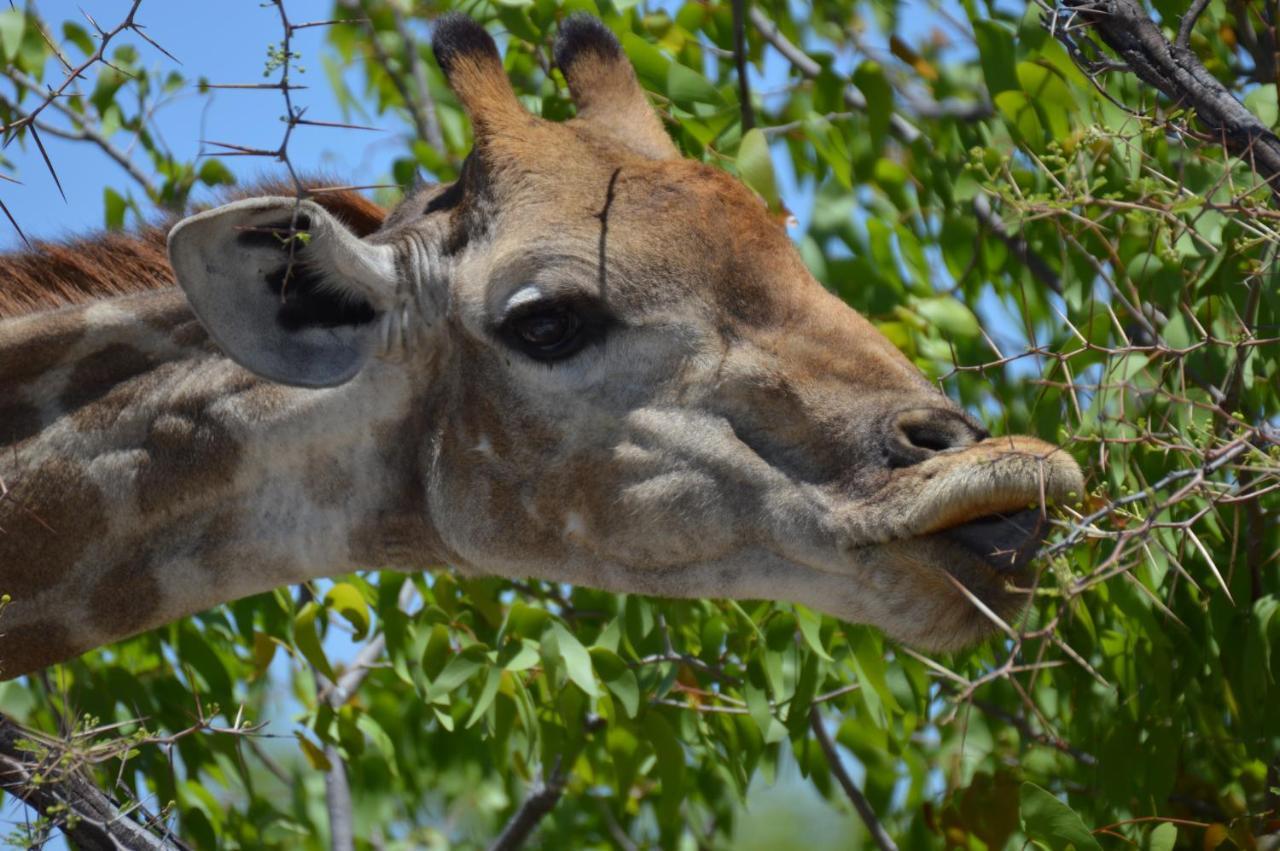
x,y
1006,543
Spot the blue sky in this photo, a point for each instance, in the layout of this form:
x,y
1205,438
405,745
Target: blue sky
x,y
225,42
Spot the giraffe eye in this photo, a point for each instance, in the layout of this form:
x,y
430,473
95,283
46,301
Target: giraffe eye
x,y
546,332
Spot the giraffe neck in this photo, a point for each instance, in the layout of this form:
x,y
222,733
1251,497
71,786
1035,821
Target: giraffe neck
x,y
148,477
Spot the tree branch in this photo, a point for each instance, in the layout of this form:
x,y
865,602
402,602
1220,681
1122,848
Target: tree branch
x,y
1176,71
419,105
1189,22
336,784
86,814
901,126
82,131
1017,246
740,60
878,834
541,800
337,796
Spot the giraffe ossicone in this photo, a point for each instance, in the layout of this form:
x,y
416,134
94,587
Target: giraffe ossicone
x,y
587,360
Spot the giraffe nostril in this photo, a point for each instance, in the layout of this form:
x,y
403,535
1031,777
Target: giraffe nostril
x,y
920,433
926,436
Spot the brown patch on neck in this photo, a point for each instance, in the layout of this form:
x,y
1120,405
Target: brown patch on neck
x,y
190,453
125,599
48,518
53,274
33,646
102,371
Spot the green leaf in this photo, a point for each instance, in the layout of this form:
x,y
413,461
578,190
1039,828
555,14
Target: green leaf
x,y
78,36
995,49
114,207
950,316
811,629
214,173
1044,87
519,655
12,24
307,639
1021,116
457,671
650,63
755,167
670,766
870,79
346,600
687,87
1049,821
381,741
576,659
1162,837
618,678
1262,103
487,693
314,753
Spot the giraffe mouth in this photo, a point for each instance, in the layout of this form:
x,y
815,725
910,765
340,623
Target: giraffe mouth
x,y
1004,542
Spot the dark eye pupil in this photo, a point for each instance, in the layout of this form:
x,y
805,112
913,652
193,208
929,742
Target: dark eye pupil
x,y
547,330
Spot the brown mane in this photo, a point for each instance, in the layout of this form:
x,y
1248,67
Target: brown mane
x,y
57,273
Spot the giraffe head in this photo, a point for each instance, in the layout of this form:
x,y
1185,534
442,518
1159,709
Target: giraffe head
x,y
617,371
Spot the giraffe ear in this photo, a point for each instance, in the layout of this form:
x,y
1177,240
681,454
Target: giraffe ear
x,y
605,89
284,288
472,65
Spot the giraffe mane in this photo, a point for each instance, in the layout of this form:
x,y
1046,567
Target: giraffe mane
x,y
58,273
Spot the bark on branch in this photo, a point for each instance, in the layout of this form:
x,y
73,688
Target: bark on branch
x,y
1176,71
86,814
879,835
541,800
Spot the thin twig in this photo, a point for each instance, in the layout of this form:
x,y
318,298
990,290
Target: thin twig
x,y
740,61
874,828
1188,23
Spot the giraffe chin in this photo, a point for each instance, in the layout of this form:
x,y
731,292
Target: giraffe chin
x,y
988,564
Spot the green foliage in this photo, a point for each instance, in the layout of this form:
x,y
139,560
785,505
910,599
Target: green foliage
x,y
1079,261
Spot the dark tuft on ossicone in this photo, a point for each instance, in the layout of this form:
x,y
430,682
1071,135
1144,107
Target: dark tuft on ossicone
x,y
581,34
456,35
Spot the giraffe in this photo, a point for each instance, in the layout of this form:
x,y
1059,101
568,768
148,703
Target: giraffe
x,y
587,360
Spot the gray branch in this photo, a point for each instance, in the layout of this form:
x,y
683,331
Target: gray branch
x,y
337,792
1176,71
86,814
860,803
901,126
81,131
1017,246
540,801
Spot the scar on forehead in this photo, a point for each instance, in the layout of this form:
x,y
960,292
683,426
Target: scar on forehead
x,y
603,215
